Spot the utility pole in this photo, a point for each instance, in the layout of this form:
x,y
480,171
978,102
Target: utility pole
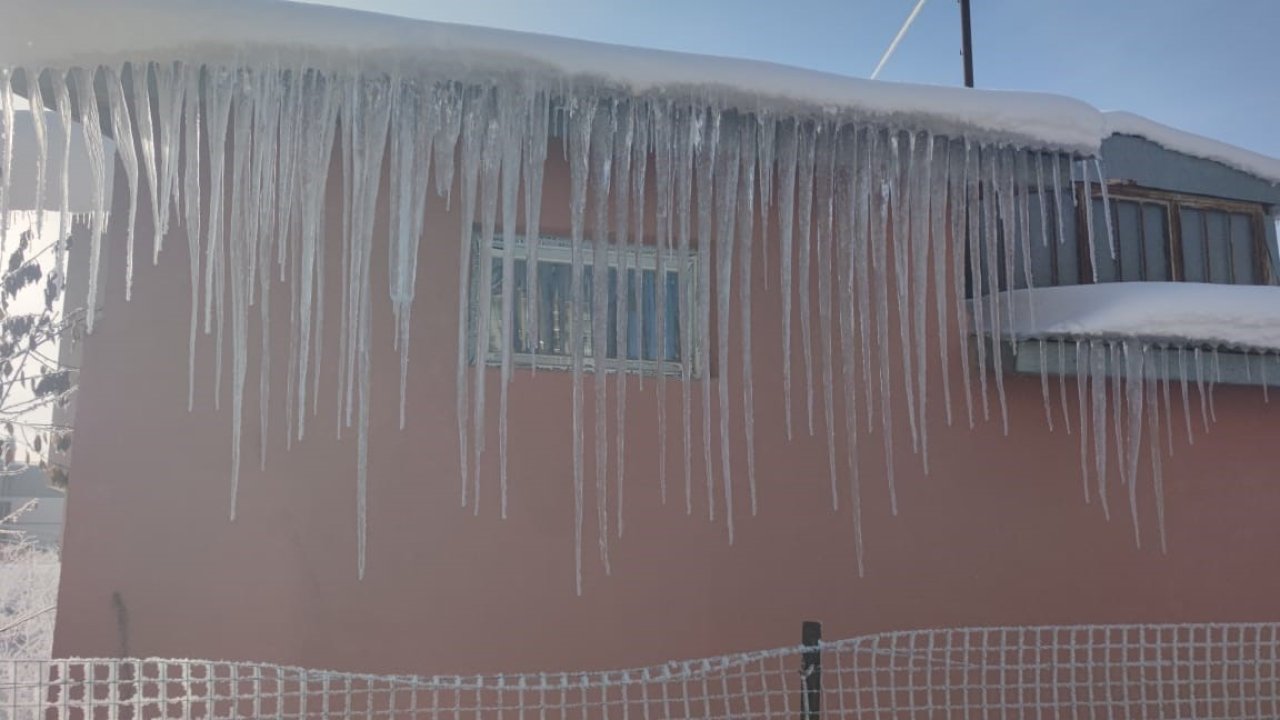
x,y
966,31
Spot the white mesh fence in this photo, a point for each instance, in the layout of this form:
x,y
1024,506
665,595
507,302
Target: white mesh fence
x,y
1118,671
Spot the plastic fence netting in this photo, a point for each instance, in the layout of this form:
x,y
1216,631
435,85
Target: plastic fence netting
x,y
1089,671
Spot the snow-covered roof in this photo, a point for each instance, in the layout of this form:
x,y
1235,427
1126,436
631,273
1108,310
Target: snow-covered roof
x,y
1229,316
1127,123
65,32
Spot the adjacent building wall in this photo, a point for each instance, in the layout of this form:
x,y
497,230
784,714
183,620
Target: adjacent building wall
x,y
997,532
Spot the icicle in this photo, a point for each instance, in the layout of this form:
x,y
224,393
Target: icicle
x,y
901,176
369,128
601,174
192,123
1084,361
992,215
535,157
622,197
639,165
1098,359
1106,204
62,106
1262,365
581,119
1153,430
807,142
849,214
864,176
1057,197
90,124
1088,221
318,125
1135,390
1164,390
663,147
123,132
36,101
879,147
767,138
170,92
686,130
789,148
825,176
1186,401
1044,384
1204,408
746,231
1022,183
707,150
472,131
287,176
958,206
977,204
1117,377
266,163
1062,384
1042,201
147,141
938,219
513,124
6,153
726,213
218,92
490,169
1213,384
238,239
921,231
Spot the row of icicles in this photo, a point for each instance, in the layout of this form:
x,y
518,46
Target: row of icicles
x,y
869,212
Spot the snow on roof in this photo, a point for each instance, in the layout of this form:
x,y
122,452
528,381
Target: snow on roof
x,y
1232,316
65,32
1126,123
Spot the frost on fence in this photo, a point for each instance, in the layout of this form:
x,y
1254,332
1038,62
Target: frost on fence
x,y
882,221
1207,671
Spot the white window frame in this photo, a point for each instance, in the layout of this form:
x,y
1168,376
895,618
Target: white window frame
x,y
557,249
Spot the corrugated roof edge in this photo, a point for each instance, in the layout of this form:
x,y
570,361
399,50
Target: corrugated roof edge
x,y
1256,164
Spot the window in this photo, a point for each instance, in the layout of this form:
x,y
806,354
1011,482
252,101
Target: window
x,y
1163,236
553,337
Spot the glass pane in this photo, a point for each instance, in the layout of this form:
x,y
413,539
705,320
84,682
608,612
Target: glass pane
x,y
1155,236
1193,257
1128,236
1242,249
1218,244
1108,267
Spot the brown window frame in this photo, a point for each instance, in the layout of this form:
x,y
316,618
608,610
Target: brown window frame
x,y
1173,203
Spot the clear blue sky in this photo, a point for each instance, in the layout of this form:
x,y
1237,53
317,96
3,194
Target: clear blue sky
x,y
1208,66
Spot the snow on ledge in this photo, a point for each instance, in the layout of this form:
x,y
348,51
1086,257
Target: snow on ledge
x,y
1126,123
61,33
1229,316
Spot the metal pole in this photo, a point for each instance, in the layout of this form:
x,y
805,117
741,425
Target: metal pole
x,y
811,670
966,31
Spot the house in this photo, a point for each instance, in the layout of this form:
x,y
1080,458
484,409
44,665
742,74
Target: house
x,y
819,236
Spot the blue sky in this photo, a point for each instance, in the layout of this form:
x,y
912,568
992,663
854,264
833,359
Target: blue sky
x,y
1208,66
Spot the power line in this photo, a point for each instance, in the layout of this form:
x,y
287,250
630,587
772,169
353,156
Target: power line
x,y
898,38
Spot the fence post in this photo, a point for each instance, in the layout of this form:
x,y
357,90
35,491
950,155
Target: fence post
x,y
811,670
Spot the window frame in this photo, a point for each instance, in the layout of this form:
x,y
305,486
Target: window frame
x,y
1173,204
559,249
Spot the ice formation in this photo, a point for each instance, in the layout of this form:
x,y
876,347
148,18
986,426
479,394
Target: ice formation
x,y
874,189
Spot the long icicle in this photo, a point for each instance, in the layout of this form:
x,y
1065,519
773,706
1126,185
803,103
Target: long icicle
x,y
824,181
581,119
789,148
601,175
707,150
746,232
726,214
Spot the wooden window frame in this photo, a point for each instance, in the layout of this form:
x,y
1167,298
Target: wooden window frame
x,y
1173,203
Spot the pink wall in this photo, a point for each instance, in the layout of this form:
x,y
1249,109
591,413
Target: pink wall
x,y
997,534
